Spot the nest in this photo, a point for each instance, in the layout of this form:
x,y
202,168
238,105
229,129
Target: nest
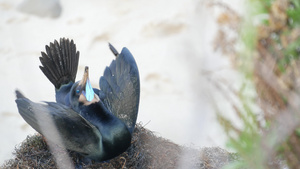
x,y
146,151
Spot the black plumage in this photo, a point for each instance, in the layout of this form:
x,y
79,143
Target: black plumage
x,y
95,123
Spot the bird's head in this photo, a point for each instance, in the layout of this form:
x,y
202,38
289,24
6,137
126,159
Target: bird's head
x,y
83,92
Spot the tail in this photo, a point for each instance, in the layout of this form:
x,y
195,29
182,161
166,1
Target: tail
x,y
60,62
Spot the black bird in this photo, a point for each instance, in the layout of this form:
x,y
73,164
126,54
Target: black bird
x,y
98,124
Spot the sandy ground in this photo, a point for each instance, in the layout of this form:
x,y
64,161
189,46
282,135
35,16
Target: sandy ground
x,y
171,42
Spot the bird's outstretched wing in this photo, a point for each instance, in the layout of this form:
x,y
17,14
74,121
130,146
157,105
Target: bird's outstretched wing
x,y
120,87
60,125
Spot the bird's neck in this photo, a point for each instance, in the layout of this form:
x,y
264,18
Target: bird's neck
x,y
116,137
63,93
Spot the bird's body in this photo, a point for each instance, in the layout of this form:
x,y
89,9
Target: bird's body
x,y
97,123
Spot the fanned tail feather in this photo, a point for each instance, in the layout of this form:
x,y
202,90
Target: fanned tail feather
x,y
60,62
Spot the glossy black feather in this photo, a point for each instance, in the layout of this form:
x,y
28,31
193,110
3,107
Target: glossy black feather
x,y
70,127
113,49
120,86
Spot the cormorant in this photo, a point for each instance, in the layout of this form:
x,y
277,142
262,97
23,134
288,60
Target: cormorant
x,y
96,123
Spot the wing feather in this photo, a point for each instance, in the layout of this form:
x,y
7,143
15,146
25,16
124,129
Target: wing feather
x,y
120,86
60,125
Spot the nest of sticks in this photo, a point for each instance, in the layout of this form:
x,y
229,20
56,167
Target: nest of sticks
x,y
146,151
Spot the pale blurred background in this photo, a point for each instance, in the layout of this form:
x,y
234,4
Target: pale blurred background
x,y
170,40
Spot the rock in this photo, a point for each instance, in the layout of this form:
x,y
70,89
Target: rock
x,y
41,8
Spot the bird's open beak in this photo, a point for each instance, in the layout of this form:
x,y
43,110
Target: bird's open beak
x,y
85,84
85,77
